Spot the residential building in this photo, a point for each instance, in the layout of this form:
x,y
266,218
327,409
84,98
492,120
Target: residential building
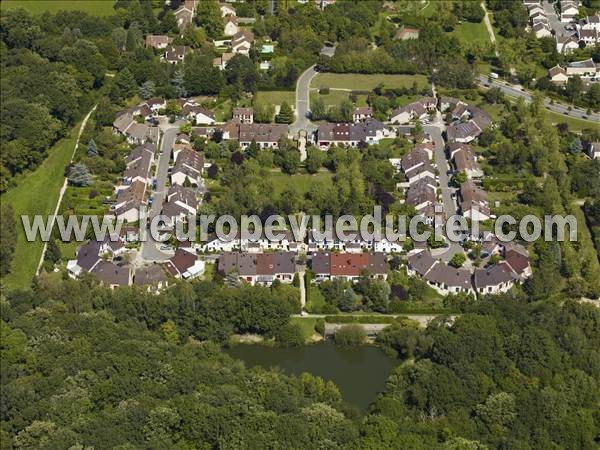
x,y
184,264
244,115
159,42
153,278
465,160
185,14
370,131
590,23
138,164
449,280
188,167
590,37
175,54
242,42
558,75
594,150
418,110
134,132
221,61
585,69
494,279
199,115
261,268
406,33
362,113
349,266
566,43
474,203
226,10
569,10
266,135
541,30
130,200
230,25
112,275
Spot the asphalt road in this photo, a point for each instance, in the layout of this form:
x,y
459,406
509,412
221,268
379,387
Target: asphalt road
x,y
553,19
515,91
303,103
150,248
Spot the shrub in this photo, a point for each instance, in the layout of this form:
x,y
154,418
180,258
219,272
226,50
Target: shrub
x,y
93,194
290,335
320,326
350,335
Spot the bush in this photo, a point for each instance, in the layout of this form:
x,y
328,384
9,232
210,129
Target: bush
x,y
290,335
324,90
320,326
350,335
93,194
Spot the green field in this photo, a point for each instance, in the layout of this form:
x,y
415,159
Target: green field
x,y
367,82
92,7
574,124
307,324
302,183
471,32
276,97
37,194
335,98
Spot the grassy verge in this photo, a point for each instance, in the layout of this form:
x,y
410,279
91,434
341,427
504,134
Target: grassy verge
x,y
37,194
92,7
367,82
574,124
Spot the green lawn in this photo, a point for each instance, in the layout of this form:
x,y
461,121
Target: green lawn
x,y
307,324
335,98
92,7
367,82
301,182
37,194
315,300
276,97
574,124
471,32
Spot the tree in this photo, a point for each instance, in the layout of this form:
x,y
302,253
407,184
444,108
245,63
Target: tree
x,y
291,335
147,89
170,333
286,115
348,301
458,260
178,83
8,237
79,175
123,86
253,149
574,88
92,148
318,111
314,159
350,335
576,146
53,253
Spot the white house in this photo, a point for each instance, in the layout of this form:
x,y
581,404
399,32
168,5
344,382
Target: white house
x,y
594,150
227,10
230,27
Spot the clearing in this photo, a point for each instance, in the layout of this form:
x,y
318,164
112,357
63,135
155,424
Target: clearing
x,y
356,81
37,194
92,7
276,97
302,182
470,32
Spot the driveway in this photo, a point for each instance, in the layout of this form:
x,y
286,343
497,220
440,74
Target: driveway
x,y
516,91
150,248
303,103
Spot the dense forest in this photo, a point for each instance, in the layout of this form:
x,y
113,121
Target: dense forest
x,y
85,366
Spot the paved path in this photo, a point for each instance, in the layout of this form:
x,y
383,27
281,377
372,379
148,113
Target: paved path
x,y
490,29
517,91
151,249
423,319
302,279
303,102
63,189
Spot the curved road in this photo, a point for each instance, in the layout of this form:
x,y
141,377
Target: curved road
x,y
515,91
302,121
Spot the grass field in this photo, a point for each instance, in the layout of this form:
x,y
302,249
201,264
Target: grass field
x,y
471,32
276,97
92,7
574,124
366,81
301,182
37,194
337,97
307,324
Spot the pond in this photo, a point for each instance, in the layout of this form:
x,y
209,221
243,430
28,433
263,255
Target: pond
x,y
359,372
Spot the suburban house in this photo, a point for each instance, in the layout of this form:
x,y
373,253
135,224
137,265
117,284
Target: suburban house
x,y
590,37
159,42
184,264
89,258
416,165
494,279
420,263
174,54
370,131
463,132
449,280
153,278
156,104
569,10
221,61
180,203
244,115
585,69
188,167
348,266
230,25
566,43
474,203
113,275
519,263
136,133
198,114
422,195
226,10
261,268
266,135
185,14
558,75
130,200
405,33
362,113
416,110
138,164
242,42
541,30
590,22
464,159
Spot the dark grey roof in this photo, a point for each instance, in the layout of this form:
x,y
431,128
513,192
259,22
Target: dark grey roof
x,y
111,274
320,263
88,255
421,262
492,276
151,275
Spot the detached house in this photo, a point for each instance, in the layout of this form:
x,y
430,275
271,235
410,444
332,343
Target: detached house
x,y
226,10
362,113
558,75
198,114
464,159
585,69
243,115
566,43
242,42
221,61
474,203
188,167
175,54
184,264
185,14
130,200
495,279
159,42
230,25
417,110
594,150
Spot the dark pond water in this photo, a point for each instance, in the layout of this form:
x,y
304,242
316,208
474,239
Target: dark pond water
x,y
359,372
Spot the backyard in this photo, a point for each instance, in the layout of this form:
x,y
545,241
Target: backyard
x,y
302,182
